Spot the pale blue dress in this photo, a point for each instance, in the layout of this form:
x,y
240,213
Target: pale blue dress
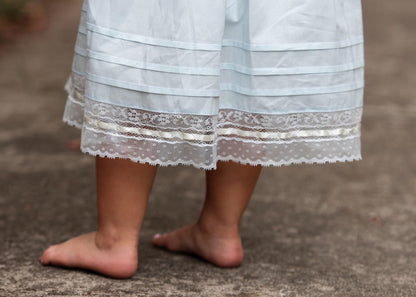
x,y
261,82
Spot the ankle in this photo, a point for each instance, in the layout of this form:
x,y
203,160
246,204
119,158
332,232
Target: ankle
x,y
109,239
217,228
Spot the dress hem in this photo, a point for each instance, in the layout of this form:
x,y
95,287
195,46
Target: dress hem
x,y
269,163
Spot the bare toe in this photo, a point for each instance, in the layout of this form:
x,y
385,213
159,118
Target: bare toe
x,y
45,259
176,241
158,240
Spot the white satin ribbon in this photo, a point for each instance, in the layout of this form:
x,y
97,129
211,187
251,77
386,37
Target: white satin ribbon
x,y
223,132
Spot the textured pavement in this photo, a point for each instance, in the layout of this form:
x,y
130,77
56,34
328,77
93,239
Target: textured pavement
x,y
322,230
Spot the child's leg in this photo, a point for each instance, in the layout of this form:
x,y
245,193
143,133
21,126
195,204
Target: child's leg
x,y
215,237
123,188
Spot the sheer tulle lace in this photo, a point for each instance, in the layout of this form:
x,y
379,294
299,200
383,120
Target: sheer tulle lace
x,y
200,140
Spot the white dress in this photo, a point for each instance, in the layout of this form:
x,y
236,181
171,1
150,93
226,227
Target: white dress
x,y
269,82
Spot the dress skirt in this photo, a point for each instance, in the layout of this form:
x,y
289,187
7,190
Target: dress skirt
x,y
260,82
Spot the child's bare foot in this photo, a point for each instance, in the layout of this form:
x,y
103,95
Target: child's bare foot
x,y
115,259
221,250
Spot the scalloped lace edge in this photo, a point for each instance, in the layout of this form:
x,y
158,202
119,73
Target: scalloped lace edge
x,y
269,163
72,123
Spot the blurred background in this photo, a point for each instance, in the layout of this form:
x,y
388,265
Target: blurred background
x,y
323,230
21,16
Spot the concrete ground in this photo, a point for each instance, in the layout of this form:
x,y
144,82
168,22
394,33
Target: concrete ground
x,y
327,230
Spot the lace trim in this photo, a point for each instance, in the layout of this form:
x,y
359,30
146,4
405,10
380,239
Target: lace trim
x,y
201,128
153,148
143,132
229,158
157,152
225,118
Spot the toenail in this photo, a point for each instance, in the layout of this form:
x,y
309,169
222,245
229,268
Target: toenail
x,y
157,235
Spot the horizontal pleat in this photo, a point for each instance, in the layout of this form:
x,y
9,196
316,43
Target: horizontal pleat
x,y
167,82
151,40
163,82
152,66
292,104
151,101
255,63
288,85
227,100
294,62
148,53
249,46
